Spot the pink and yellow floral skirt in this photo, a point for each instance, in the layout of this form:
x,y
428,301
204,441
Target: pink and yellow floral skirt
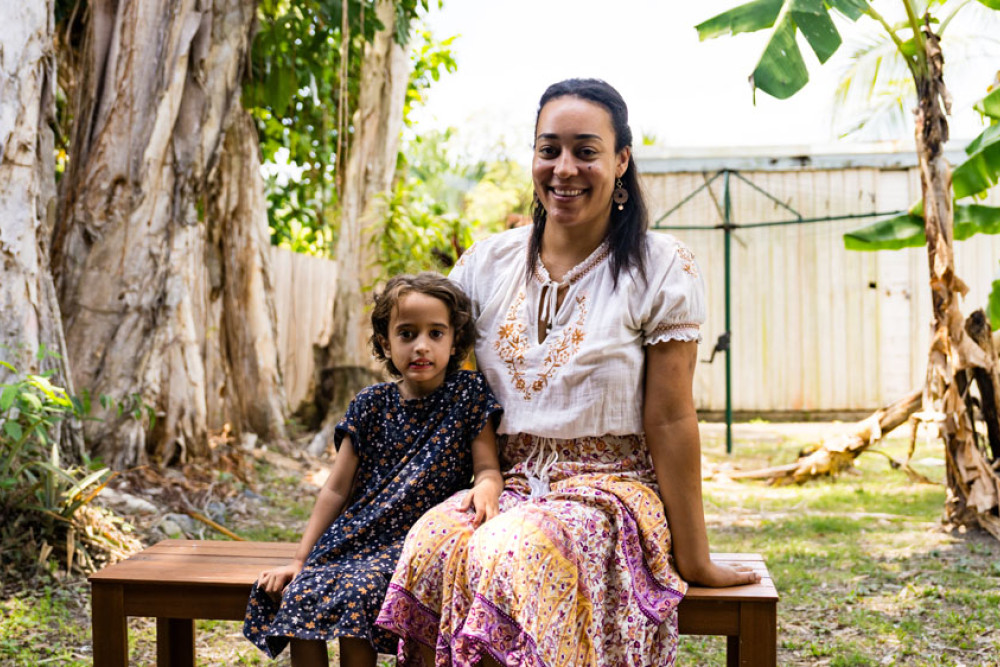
x,y
579,575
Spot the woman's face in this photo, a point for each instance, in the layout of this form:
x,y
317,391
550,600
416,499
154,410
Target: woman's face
x,y
575,164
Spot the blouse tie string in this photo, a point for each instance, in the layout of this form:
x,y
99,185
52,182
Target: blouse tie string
x,y
537,470
550,301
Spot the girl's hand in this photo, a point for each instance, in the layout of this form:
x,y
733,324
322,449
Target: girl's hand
x,y
484,497
273,581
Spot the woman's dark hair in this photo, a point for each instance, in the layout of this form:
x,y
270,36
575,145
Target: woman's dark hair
x,y
431,284
627,229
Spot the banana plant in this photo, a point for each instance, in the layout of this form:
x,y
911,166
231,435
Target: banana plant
x,y
974,486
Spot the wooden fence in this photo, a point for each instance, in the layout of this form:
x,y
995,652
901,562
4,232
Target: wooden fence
x,y
304,289
815,327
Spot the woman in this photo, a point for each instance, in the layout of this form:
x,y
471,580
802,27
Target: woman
x,y
587,332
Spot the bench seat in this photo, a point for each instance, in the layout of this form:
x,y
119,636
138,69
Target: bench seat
x,y
178,581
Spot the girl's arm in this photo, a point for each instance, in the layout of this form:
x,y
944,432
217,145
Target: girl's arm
x,y
484,495
671,426
330,503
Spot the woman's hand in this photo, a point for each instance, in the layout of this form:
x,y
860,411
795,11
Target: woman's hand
x,y
273,581
484,498
717,575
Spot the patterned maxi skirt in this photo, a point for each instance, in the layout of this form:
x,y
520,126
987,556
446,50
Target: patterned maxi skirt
x,y
578,573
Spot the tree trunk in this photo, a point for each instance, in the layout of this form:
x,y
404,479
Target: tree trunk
x,y
237,218
137,277
972,486
345,364
29,310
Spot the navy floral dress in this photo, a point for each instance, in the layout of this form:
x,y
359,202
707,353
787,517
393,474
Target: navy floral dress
x,y
413,454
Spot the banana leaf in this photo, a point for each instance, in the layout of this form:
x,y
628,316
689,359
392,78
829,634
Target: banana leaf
x,y
989,105
907,230
981,170
993,306
781,70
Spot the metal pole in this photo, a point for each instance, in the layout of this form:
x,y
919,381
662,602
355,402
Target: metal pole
x,y
727,227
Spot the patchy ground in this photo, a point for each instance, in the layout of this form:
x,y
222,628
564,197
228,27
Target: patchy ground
x,y
867,575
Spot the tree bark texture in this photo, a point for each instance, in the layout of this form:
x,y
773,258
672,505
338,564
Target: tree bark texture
x,y
29,309
345,362
237,217
973,489
138,276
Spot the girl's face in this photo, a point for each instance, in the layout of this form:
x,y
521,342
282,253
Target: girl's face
x,y
421,342
575,164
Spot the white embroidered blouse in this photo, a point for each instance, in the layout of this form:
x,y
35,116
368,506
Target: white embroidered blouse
x,y
586,377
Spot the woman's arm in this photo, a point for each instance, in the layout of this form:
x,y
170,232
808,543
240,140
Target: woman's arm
x,y
671,426
484,495
330,503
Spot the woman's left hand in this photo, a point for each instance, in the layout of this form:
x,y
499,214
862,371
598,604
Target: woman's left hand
x,y
720,576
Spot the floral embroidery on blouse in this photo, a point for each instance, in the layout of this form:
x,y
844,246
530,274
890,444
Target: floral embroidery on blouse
x,y
687,258
512,342
579,271
461,258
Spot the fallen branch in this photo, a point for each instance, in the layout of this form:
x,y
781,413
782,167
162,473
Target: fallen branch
x,y
219,527
837,454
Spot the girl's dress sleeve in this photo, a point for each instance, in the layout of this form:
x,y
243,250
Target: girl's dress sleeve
x,y
356,419
670,305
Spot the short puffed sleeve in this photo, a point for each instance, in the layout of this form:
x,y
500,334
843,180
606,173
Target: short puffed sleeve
x,y
357,420
670,303
463,274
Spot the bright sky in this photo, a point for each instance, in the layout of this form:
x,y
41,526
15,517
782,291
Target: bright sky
x,y
684,92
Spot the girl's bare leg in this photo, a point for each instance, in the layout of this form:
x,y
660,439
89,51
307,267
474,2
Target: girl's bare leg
x,y
309,653
356,652
427,653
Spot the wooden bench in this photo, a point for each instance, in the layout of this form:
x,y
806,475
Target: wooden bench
x,y
178,581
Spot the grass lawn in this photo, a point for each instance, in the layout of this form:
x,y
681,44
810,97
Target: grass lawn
x,y
865,573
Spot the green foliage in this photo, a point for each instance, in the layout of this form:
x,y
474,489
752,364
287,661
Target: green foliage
x,y
43,497
781,70
972,178
907,230
440,203
429,60
302,91
993,306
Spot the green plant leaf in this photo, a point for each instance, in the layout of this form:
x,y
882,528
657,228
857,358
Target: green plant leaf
x,y
751,17
993,306
781,72
852,9
817,27
8,366
981,170
7,397
33,401
12,429
907,230
989,105
992,4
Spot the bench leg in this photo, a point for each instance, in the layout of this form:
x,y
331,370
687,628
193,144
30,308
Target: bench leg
x,y
757,643
109,630
175,642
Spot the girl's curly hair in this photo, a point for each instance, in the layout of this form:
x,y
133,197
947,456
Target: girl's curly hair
x,y
432,284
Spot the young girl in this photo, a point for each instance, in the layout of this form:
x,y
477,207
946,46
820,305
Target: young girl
x,y
403,447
